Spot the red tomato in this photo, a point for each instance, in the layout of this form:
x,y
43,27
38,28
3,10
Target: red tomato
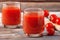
x,y
46,13
50,29
53,18
58,21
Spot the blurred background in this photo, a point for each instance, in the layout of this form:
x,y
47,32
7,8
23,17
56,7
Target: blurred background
x,y
51,5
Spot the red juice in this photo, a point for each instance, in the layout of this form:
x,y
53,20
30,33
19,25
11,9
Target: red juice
x,y
11,15
33,23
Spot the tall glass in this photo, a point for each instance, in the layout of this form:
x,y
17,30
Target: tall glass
x,y
11,14
33,22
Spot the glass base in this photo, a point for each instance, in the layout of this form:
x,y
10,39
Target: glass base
x,y
11,26
34,35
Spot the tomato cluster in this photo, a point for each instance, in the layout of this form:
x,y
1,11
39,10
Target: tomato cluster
x,y
54,19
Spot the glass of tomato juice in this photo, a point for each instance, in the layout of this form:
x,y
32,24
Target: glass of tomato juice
x,y
33,22
11,14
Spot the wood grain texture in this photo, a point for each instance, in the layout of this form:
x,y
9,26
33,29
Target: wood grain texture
x,y
53,6
33,0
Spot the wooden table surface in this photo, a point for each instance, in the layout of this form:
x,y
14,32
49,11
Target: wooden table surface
x,y
21,36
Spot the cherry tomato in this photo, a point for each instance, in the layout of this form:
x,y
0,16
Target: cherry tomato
x,y
50,29
58,21
46,13
53,18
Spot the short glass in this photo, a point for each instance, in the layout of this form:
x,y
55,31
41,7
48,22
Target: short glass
x,y
11,14
33,22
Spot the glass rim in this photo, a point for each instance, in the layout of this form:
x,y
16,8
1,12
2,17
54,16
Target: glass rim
x,y
32,9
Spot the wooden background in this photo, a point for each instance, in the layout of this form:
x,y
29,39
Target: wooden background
x,y
33,0
52,5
